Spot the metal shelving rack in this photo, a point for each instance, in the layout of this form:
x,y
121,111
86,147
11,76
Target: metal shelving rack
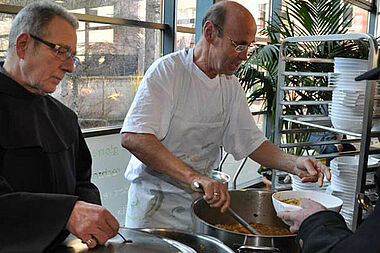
x,y
322,122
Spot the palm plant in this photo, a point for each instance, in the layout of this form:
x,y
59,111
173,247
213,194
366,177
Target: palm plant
x,y
258,75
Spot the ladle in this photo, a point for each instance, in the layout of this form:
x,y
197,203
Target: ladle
x,y
234,215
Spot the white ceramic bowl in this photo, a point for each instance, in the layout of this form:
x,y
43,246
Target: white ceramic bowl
x,y
330,202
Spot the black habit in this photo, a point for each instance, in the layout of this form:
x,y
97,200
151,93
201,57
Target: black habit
x,y
45,167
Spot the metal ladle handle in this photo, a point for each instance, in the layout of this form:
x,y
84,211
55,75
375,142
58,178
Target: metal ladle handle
x,y
234,215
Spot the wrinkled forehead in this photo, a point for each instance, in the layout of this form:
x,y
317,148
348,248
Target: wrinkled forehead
x,y
61,32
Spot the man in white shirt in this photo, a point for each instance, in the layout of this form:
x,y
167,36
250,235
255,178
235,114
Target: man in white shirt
x,y
188,105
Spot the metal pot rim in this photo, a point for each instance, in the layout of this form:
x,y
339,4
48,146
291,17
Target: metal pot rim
x,y
237,233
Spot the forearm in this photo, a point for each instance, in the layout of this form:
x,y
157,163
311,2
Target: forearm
x,y
148,149
269,155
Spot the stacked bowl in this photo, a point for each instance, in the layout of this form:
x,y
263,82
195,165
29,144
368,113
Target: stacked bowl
x,y
344,171
347,108
297,185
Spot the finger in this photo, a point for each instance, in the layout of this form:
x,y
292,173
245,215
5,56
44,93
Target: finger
x,y
320,179
294,229
100,237
310,166
103,227
327,172
309,179
113,223
220,198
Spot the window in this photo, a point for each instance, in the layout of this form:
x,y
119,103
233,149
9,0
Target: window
x,y
185,36
359,22
114,57
141,10
5,27
113,61
260,11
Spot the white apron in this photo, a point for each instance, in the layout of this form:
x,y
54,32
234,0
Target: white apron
x,y
156,200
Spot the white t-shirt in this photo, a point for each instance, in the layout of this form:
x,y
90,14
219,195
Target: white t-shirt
x,y
154,104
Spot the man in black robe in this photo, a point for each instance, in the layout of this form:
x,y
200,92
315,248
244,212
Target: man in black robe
x,y
45,164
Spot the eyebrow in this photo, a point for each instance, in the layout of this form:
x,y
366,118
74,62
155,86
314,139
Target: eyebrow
x,y
68,48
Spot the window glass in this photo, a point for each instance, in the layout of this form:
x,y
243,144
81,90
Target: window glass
x,y
113,61
143,10
186,13
259,9
359,23
185,18
5,27
185,40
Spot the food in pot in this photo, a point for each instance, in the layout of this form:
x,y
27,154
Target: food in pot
x,y
292,201
261,228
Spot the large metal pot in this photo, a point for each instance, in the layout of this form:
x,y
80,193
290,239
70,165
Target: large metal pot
x,y
140,242
254,206
200,243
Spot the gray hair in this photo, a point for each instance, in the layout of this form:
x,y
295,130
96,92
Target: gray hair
x,y
217,15
35,17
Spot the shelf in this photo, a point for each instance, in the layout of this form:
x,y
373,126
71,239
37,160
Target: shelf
x,y
308,88
307,102
321,122
294,73
309,144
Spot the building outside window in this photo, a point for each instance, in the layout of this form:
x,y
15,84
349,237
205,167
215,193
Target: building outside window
x,y
113,58
186,10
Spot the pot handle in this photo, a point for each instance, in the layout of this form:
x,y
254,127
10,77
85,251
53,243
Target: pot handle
x,y
255,248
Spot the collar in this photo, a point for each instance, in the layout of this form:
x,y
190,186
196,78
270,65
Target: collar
x,y
13,88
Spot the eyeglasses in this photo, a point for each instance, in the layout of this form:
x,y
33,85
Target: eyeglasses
x,y
238,47
61,52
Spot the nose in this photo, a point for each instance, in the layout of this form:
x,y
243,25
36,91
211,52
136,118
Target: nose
x,y
68,65
243,55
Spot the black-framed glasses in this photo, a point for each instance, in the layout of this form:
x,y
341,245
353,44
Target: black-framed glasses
x,y
61,52
238,47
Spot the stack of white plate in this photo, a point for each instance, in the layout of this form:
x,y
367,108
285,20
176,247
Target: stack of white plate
x,y
344,172
297,185
347,107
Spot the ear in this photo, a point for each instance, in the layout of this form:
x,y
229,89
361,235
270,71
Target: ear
x,y
22,43
209,32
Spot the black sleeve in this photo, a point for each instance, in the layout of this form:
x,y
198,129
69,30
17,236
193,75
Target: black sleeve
x,y
30,222
86,190
327,232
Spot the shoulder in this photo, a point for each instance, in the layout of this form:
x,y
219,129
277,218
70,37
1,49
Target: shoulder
x,y
168,63
234,87
59,108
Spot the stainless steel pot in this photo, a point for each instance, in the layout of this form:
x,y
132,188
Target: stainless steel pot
x,y
200,243
141,242
255,207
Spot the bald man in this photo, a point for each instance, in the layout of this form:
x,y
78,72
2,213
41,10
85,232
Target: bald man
x,y
188,105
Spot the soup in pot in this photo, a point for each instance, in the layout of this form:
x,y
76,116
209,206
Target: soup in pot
x,y
261,228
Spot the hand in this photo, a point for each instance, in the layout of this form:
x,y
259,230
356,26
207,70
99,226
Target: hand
x,y
309,207
215,192
91,223
311,170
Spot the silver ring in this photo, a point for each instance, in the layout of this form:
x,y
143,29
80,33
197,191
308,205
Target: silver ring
x,y
216,194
